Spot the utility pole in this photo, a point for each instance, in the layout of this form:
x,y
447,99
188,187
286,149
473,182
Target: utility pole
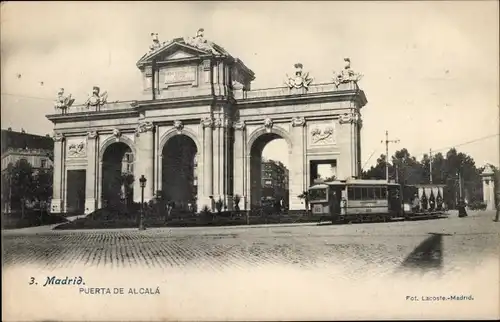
x,y
387,141
459,184
430,166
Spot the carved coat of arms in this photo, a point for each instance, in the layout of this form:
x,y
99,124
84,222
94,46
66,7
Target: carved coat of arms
x,y
63,102
300,80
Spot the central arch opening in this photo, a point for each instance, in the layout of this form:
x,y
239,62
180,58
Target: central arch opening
x,y
269,172
180,172
117,175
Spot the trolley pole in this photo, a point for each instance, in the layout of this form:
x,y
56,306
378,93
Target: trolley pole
x,y
387,141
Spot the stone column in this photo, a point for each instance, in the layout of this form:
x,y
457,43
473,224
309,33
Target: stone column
x,y
488,187
99,183
218,158
297,172
144,161
208,177
345,134
228,164
90,184
239,167
57,193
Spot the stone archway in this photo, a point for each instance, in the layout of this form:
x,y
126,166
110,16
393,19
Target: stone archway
x,y
117,173
179,171
276,183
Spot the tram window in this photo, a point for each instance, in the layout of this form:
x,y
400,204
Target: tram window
x,y
317,194
383,193
350,194
376,193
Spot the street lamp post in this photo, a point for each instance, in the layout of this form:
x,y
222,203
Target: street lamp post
x,y
142,181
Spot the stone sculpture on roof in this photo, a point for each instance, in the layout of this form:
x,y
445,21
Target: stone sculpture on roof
x,y
63,102
156,43
96,99
200,42
347,75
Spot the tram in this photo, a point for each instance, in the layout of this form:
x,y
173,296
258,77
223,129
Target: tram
x,y
356,200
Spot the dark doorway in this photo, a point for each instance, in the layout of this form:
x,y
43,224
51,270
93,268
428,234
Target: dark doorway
x,y
179,172
76,191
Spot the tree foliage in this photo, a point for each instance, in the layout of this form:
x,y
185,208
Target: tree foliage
x,y
454,169
22,186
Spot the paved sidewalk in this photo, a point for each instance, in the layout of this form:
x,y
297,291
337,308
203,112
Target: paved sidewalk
x,y
50,228
37,229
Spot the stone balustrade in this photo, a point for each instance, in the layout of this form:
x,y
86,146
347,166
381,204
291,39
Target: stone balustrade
x,y
112,106
241,95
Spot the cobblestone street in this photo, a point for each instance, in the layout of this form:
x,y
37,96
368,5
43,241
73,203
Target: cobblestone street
x,y
253,273
307,245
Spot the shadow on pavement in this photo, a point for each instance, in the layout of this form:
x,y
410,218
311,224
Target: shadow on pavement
x,y
427,256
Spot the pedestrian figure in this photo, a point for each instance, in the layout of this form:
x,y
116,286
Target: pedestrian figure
x,y
424,202
335,206
343,206
432,203
439,203
170,207
462,212
416,203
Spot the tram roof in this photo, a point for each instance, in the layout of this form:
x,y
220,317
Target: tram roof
x,y
427,185
355,182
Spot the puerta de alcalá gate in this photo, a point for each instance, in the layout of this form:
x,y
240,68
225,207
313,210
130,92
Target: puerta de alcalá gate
x,y
198,113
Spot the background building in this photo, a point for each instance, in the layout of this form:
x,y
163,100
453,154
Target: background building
x,y
37,150
274,180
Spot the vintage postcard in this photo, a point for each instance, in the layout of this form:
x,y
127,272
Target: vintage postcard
x,y
215,161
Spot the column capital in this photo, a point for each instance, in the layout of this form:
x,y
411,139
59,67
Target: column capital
x,y
207,122
298,121
350,118
218,123
143,127
92,134
58,137
239,125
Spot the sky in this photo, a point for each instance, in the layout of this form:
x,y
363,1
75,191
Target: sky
x,y
431,68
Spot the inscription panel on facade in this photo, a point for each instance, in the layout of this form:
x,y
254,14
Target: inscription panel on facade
x,y
185,75
321,133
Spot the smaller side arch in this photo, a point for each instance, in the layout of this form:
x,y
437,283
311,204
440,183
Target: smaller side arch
x,y
112,140
173,132
254,136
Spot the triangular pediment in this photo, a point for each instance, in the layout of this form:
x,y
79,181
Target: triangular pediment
x,y
179,54
172,51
